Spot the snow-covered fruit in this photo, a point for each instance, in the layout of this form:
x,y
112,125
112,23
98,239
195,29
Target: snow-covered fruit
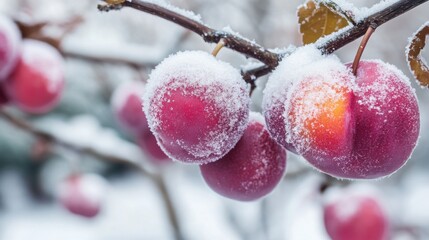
x,y
356,217
252,168
10,40
127,106
357,127
83,194
197,106
36,84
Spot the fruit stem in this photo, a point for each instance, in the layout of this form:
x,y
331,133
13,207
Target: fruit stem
x,y
362,46
218,47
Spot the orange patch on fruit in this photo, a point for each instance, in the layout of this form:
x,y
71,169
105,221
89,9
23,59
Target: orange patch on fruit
x,y
320,115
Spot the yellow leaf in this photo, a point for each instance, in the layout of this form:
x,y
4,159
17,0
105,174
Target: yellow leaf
x,y
317,20
415,60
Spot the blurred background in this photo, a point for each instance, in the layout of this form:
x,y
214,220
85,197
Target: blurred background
x,y
105,50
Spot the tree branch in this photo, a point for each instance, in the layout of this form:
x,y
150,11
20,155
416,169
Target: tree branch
x,y
210,35
270,60
155,177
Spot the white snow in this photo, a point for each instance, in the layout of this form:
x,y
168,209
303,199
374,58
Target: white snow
x,y
119,52
256,117
180,11
361,13
84,131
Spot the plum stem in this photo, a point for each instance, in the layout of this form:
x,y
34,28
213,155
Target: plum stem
x,y
362,46
218,47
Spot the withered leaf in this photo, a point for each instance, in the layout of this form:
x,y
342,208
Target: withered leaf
x,y
416,62
317,20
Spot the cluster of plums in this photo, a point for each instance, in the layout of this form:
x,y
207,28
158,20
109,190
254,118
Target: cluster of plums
x,y
355,127
31,72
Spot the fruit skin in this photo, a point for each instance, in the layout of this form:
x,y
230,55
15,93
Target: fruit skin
x,y
251,169
319,115
356,218
147,142
83,194
127,106
197,107
10,40
37,82
385,129
276,125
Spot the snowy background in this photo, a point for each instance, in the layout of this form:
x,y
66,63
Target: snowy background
x,y
132,208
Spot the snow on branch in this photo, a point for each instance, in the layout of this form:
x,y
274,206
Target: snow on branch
x,y
374,17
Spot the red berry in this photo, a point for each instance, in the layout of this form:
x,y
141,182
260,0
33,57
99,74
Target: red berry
x,y
10,39
127,105
355,218
251,169
36,84
83,194
197,107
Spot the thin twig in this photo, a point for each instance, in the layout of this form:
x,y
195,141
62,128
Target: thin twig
x,y
52,139
270,59
210,35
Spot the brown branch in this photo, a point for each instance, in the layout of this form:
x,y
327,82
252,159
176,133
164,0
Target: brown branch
x,y
337,40
375,20
269,59
52,139
210,35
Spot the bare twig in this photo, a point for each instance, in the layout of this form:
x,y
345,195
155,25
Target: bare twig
x,y
232,40
54,140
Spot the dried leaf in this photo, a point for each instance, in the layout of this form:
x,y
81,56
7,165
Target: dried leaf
x,y
416,62
317,20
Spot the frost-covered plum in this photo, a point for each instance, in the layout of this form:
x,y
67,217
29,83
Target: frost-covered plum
x,y
36,84
387,121
83,194
385,125
356,217
127,105
10,40
147,142
252,168
357,127
197,106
